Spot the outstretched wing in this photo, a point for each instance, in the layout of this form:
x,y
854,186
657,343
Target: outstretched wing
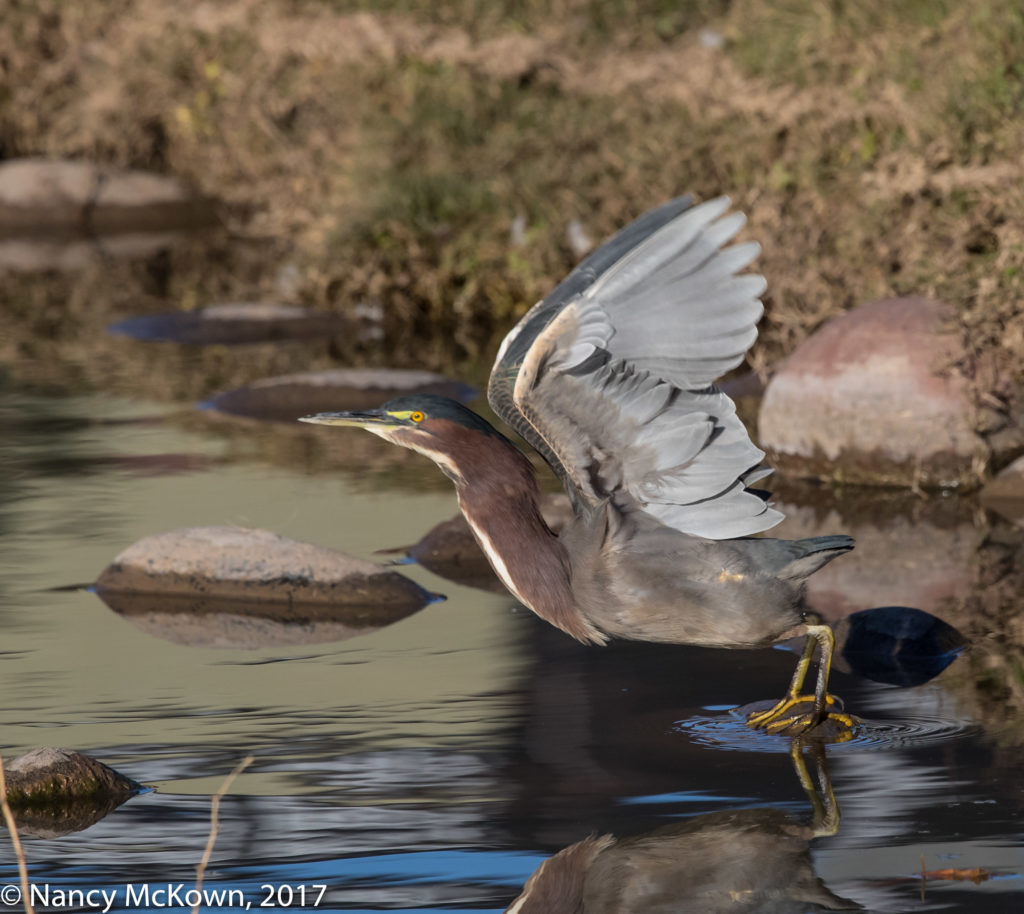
x,y
611,377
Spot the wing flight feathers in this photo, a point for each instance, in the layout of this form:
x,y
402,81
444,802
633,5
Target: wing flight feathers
x,y
611,377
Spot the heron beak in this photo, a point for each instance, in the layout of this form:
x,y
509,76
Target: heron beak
x,y
368,419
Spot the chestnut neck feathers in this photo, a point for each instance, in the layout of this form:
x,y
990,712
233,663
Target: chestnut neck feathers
x,y
498,495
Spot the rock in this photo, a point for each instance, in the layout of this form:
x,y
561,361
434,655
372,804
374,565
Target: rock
x,y
451,551
254,565
38,195
244,322
49,775
229,623
285,398
870,398
56,791
1005,493
897,645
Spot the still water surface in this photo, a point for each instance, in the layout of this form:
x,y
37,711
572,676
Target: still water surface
x,y
434,764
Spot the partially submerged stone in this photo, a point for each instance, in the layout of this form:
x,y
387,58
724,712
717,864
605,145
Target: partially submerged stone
x,y
1005,493
233,324
451,551
873,398
254,565
287,397
57,791
897,645
39,195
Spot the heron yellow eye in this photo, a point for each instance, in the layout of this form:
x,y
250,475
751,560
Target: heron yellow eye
x,y
416,416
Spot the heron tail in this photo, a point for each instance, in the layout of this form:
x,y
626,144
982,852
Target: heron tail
x,y
813,554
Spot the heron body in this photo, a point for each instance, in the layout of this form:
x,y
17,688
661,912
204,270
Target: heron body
x,y
611,378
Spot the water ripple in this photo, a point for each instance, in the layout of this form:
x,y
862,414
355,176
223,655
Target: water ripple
x,y
729,731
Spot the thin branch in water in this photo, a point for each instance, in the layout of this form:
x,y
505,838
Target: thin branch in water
x,y
12,827
214,810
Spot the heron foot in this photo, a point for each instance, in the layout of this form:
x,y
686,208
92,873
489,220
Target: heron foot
x,y
761,719
795,715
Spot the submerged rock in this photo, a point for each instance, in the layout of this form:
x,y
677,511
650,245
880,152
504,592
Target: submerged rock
x,y
254,565
45,195
872,398
57,791
233,324
285,398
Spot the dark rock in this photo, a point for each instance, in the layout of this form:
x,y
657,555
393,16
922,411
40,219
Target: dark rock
x,y
897,645
57,791
232,324
872,398
451,551
41,195
254,565
200,621
285,398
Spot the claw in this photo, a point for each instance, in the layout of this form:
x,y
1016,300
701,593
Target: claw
x,y
837,726
771,717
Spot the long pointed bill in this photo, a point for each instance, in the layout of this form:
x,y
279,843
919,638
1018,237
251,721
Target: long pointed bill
x,y
370,419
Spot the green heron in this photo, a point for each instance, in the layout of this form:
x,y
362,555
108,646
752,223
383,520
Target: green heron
x,y
611,378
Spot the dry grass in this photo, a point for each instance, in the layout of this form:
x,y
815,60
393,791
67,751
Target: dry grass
x,y
384,147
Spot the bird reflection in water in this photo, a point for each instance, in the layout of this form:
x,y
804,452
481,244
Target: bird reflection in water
x,y
736,860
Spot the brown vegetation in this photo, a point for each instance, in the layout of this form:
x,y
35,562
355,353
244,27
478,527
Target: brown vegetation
x,y
381,149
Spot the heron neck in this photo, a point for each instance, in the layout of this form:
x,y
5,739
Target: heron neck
x,y
499,498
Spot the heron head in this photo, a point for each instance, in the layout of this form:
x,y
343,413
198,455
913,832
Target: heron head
x,y
437,427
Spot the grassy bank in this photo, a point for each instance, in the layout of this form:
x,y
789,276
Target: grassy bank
x,y
384,148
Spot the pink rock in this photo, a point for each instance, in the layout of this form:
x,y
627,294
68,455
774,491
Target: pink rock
x,y
872,397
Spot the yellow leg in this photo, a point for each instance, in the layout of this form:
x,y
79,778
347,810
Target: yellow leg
x,y
793,696
777,719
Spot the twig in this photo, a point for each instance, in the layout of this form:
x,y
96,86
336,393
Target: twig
x,y
12,827
214,809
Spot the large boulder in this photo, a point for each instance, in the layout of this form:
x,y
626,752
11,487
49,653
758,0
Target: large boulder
x,y
873,397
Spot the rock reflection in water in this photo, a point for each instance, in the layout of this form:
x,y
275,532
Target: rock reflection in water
x,y
226,623
737,860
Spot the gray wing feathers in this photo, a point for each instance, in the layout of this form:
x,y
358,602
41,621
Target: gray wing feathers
x,y
615,384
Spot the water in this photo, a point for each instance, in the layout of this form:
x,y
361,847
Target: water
x,y
434,764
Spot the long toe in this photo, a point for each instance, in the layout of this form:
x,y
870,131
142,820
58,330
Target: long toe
x,y
796,716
